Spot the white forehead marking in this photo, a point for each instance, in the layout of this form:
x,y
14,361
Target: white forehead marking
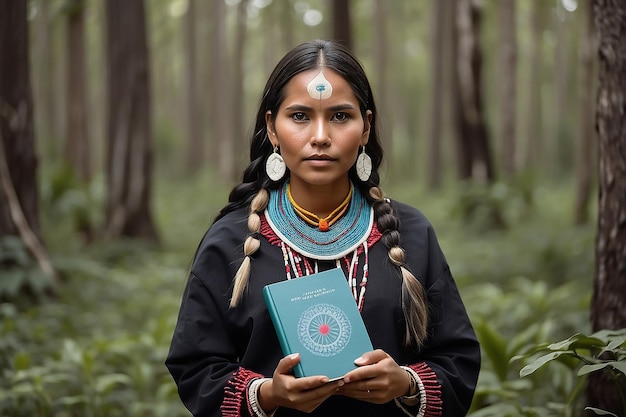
x,y
319,87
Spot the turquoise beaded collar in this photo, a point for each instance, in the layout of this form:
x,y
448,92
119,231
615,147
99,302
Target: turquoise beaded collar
x,y
342,238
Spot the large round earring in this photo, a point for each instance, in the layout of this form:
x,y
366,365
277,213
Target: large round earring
x,y
275,166
363,166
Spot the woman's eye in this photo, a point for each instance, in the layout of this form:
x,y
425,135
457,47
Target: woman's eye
x,y
341,117
299,116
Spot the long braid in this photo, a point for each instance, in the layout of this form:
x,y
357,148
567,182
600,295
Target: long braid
x,y
413,297
250,246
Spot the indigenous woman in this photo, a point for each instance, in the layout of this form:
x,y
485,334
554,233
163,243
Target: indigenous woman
x,y
310,201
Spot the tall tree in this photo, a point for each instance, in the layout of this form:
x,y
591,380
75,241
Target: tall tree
x,y
129,131
586,133
238,84
77,144
47,88
220,139
608,308
381,65
342,26
533,135
474,153
436,94
507,86
19,201
195,144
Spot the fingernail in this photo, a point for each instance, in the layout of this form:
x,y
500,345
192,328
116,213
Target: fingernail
x,y
359,360
293,356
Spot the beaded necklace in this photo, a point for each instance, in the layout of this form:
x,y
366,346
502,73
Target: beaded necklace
x,y
346,241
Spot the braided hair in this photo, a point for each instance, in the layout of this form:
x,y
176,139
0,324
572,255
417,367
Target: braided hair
x,y
252,192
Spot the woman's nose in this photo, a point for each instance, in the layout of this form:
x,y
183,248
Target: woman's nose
x,y
320,132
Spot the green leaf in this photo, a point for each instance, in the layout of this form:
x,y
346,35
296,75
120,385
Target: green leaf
x,y
542,360
587,369
105,383
578,341
600,412
495,347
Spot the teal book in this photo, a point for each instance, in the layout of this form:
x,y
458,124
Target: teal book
x,y
317,317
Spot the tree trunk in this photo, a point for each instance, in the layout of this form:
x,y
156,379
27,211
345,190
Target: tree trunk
x,y
381,64
222,146
129,147
342,27
238,124
77,144
19,201
534,122
195,142
507,88
436,94
45,78
559,150
474,151
586,132
608,309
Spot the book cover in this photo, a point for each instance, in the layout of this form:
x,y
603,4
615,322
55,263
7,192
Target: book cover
x,y
317,317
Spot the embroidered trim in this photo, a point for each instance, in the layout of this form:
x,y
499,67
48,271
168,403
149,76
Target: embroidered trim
x,y
236,393
430,391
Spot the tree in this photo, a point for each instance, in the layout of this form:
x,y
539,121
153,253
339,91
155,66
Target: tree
x,y
238,85
341,26
507,88
19,201
129,133
608,309
436,93
534,121
474,154
77,144
221,142
586,133
195,144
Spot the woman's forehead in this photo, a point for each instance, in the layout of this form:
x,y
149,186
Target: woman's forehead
x,y
319,85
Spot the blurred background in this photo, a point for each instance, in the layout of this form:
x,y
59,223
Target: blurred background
x,y
135,122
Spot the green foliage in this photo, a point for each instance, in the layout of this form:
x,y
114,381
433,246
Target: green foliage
x,y
20,273
603,350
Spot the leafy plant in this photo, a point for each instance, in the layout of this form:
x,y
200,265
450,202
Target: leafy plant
x,y
604,350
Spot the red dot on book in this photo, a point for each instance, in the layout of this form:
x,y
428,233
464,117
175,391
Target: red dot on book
x,y
324,329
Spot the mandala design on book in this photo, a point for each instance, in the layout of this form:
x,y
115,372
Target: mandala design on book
x,y
324,329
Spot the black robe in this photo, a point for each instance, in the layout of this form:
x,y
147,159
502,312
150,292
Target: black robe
x,y
212,342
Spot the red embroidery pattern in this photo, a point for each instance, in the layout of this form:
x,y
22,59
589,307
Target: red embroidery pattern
x,y
236,393
268,233
434,405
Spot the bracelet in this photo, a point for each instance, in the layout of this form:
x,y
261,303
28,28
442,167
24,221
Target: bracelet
x,y
253,397
416,390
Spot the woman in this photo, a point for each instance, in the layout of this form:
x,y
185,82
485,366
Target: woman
x,y
309,201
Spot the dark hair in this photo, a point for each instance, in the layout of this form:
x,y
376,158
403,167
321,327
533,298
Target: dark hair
x,y
304,57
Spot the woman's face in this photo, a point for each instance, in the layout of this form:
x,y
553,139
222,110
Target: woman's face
x,y
319,129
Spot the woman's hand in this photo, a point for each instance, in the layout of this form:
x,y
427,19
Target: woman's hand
x,y
379,379
303,394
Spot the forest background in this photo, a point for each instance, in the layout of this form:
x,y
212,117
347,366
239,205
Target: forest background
x,y
140,114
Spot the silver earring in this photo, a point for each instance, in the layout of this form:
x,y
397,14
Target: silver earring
x,y
275,166
363,166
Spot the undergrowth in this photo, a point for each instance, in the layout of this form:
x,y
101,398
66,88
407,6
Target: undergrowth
x,y
96,347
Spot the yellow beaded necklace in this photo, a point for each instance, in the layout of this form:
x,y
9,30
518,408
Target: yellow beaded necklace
x,y
313,219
